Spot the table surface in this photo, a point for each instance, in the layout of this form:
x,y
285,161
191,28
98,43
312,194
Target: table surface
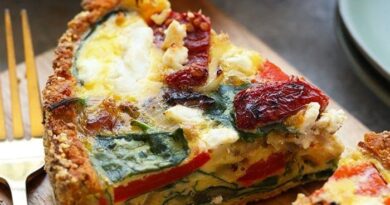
x,y
301,31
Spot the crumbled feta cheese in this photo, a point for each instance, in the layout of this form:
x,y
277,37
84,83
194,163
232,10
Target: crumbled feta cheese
x,y
242,61
184,115
175,57
303,140
331,121
308,125
161,17
219,136
309,118
174,35
217,200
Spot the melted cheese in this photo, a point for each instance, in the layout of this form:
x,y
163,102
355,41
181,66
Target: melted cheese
x,y
119,58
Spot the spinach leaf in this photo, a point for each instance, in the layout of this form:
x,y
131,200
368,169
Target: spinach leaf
x,y
268,182
227,193
118,157
263,131
223,113
222,110
187,98
322,175
143,126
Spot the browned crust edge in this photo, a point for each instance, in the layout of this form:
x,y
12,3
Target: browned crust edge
x,y
70,171
377,145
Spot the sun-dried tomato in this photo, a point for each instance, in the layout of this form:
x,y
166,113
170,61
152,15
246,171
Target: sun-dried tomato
x,y
197,41
191,76
99,121
188,98
272,102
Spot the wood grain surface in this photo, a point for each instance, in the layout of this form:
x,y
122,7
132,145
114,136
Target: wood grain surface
x,y
39,189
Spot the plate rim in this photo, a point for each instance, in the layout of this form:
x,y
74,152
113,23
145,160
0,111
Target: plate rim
x,y
368,53
363,74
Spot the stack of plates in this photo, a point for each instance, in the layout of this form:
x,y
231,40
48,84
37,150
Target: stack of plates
x,y
363,29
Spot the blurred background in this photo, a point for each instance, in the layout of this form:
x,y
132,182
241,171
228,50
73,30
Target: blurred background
x,y
301,31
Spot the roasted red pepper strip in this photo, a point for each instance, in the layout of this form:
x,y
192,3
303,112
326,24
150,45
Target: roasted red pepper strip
x,y
154,181
350,171
263,168
387,201
272,72
103,201
371,183
197,41
272,102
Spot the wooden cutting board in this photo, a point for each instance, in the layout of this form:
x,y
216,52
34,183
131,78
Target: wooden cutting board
x,y
39,189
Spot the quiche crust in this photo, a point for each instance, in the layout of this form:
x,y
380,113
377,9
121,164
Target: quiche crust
x,y
67,163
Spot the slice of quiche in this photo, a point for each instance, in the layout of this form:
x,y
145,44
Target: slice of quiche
x,y
361,178
151,106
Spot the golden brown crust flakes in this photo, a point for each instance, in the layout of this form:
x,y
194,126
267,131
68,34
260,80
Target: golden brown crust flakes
x,y
378,146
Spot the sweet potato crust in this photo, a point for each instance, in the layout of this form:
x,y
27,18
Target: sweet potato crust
x,y
71,174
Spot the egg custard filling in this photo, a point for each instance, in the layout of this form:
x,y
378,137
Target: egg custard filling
x,y
171,112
